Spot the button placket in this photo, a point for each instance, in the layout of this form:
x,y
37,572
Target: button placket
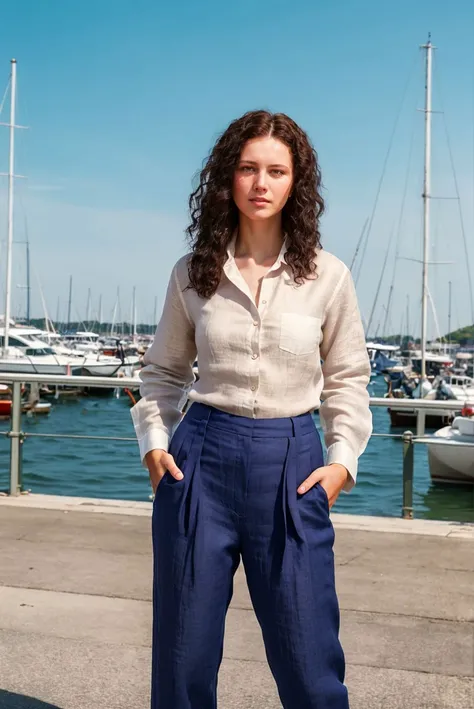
x,y
263,295
255,346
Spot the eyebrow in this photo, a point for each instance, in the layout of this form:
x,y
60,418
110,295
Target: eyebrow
x,y
252,162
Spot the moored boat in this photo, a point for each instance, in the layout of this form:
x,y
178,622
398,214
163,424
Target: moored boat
x,y
29,405
451,451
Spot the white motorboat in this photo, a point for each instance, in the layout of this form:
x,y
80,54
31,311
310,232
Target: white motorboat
x,y
451,451
458,386
100,366
82,341
27,354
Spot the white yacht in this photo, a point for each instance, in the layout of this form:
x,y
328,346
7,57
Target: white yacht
x,y
451,451
92,344
82,341
459,386
28,354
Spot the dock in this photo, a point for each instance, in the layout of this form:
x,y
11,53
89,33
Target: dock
x,y
75,611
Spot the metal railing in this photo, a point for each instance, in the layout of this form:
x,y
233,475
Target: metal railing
x,y
17,436
420,407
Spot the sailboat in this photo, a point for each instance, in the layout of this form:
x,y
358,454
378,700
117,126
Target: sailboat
x,y
451,448
22,350
421,360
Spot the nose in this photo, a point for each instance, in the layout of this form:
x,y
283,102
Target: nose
x,y
260,184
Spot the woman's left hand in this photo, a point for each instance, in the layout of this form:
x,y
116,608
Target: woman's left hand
x,y
331,477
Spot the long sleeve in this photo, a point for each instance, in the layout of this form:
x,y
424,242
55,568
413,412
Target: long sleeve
x,y
345,414
167,374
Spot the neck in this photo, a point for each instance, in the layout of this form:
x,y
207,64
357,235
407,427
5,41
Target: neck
x,y
259,240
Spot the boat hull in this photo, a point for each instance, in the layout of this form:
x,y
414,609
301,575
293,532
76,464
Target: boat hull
x,y
451,452
25,367
451,466
400,418
40,407
100,370
5,407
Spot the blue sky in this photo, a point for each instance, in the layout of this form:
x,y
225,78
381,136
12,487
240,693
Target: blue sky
x,y
124,100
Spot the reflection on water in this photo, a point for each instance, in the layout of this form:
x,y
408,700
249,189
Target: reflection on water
x,y
448,502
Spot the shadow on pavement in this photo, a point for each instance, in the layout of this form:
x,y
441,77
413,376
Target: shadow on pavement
x,y
9,700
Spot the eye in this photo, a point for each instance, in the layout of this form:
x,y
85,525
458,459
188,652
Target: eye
x,y
277,172
246,168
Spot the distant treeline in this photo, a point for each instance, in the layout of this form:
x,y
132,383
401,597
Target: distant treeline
x,y
464,336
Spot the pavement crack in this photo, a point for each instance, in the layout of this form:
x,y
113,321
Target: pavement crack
x,y
77,593
414,616
74,639
469,678
349,561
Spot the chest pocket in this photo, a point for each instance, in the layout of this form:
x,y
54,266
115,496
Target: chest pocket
x,y
299,334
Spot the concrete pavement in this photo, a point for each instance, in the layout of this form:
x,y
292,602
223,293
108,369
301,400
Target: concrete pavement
x,y
75,611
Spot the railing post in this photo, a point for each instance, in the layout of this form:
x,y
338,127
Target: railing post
x,y
420,422
15,436
408,465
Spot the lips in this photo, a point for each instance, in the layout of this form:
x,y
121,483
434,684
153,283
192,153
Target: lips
x,y
260,200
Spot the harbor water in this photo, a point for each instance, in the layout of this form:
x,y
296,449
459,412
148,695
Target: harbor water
x,y
112,469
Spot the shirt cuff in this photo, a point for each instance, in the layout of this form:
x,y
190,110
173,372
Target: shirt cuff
x,y
341,453
153,439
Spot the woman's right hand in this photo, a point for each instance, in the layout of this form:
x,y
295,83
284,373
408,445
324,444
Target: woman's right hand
x,y
158,462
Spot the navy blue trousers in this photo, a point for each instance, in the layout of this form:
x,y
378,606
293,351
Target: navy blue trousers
x,y
239,500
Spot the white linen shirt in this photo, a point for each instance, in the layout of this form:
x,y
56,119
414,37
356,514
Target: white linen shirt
x,y
302,344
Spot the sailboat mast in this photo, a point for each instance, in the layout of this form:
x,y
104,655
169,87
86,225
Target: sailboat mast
x,y
28,283
153,324
11,178
449,313
408,319
88,308
100,311
114,315
134,315
69,304
426,206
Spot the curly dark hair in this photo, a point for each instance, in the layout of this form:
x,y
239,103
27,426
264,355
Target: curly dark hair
x,y
215,217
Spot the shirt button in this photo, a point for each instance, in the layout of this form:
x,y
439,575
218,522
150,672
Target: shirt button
x,y
254,356
252,388
264,302
255,323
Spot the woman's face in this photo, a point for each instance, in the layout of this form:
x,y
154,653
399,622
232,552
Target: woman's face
x,y
263,178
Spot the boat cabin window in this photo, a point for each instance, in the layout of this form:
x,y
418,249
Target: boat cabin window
x,y
38,351
12,342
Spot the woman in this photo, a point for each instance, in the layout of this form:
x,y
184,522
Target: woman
x,y
243,476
